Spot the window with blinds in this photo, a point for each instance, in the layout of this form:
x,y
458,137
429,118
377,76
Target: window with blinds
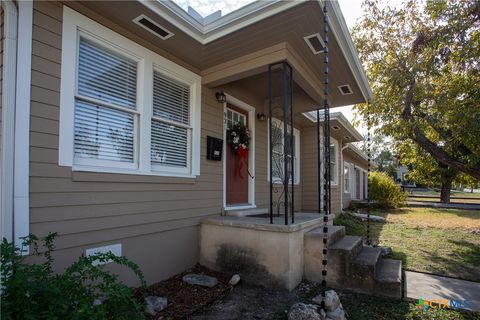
x,y
171,129
105,105
333,163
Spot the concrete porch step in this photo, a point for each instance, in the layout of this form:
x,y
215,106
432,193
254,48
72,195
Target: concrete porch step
x,y
364,268
245,212
351,265
389,278
334,233
351,244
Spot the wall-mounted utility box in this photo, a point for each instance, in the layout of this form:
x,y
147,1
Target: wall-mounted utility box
x,y
116,249
214,148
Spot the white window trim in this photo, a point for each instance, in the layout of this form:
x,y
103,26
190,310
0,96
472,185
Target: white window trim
x,y
296,135
251,155
334,182
75,24
347,166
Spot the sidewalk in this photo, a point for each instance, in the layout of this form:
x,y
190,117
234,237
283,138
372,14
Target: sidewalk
x,y
426,204
430,287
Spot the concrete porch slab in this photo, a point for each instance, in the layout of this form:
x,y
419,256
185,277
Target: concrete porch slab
x,y
262,253
302,220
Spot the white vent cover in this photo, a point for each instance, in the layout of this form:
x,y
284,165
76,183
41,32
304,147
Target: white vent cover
x,y
345,89
315,43
150,25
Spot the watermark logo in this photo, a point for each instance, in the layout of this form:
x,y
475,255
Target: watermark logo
x,y
443,304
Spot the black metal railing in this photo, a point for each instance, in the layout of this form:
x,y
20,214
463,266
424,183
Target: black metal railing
x,y
281,140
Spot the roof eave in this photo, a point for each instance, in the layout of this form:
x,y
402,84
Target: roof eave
x,y
342,35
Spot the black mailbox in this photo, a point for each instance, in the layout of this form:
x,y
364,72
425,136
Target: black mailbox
x,y
214,148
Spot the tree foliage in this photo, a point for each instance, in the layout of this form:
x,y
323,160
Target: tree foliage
x,y
423,61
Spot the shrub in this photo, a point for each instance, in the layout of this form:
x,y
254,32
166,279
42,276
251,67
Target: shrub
x,y
384,192
34,291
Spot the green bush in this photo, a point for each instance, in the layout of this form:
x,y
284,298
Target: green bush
x,y
384,192
34,291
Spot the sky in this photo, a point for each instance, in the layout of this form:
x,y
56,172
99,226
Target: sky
x,y
351,11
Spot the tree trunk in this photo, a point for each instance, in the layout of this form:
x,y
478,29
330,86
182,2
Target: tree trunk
x,y
447,174
446,187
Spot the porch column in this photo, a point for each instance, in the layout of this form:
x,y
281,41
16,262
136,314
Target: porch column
x,y
281,138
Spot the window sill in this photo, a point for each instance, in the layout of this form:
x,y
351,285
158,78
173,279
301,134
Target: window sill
x,y
97,174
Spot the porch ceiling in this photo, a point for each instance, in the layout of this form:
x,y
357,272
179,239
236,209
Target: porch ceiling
x,y
242,53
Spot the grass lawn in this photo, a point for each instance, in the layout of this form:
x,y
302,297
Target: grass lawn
x,y
439,241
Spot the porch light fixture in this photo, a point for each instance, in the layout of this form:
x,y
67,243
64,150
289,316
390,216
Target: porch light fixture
x,y
261,117
221,97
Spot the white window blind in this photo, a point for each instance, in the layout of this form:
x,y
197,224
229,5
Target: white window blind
x,y
171,128
105,105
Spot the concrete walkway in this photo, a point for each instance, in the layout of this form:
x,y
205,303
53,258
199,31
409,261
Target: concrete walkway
x,y
427,204
429,287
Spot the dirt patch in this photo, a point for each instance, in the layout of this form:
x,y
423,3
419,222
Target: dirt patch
x,y
184,299
254,302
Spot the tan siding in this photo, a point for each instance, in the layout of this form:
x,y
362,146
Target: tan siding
x,y
309,174
90,209
88,212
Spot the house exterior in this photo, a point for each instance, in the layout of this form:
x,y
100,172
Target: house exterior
x,y
113,135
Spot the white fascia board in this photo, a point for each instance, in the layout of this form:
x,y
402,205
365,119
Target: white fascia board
x,y
253,13
340,30
227,24
356,150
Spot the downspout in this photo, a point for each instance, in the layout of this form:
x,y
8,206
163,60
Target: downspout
x,y
9,77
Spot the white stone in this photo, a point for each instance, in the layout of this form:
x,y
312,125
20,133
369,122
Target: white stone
x,y
234,280
302,311
155,304
200,280
337,314
332,301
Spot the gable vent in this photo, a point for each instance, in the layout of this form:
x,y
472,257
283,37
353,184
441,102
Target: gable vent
x,y
345,89
150,25
315,43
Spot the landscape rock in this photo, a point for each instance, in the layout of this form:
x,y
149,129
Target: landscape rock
x,y
386,251
155,304
332,301
338,314
234,280
302,311
200,280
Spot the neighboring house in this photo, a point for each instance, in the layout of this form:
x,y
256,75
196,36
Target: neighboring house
x,y
107,108
402,173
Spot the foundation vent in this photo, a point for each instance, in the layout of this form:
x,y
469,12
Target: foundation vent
x,y
345,89
150,25
315,43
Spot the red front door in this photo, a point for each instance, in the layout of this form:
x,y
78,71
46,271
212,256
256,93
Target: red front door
x,y
236,181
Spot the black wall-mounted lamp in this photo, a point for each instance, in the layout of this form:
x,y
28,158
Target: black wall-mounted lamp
x,y
261,117
221,97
